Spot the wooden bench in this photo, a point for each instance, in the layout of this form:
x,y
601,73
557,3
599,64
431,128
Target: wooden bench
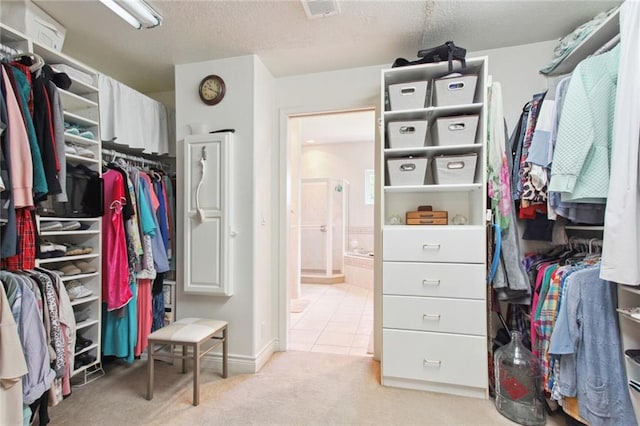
x,y
188,332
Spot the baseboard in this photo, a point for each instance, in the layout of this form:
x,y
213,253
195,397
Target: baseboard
x,y
241,364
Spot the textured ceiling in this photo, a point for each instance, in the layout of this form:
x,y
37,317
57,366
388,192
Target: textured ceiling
x,y
278,31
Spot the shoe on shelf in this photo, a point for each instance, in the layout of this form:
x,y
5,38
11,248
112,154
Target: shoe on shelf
x,y
631,312
48,246
69,269
85,267
82,343
71,225
77,290
82,314
634,354
74,250
82,360
50,225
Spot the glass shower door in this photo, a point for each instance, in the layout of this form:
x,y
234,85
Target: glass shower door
x,y
315,227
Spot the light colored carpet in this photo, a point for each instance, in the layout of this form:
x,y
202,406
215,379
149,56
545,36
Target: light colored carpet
x,y
294,388
298,305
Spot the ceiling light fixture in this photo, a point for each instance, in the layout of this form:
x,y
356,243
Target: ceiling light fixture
x,y
136,12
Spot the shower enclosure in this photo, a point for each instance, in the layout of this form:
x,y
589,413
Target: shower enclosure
x,y
324,204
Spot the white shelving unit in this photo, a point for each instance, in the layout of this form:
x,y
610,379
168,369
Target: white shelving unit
x,y
434,311
80,103
629,297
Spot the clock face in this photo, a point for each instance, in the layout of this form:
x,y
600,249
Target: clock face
x,y
211,90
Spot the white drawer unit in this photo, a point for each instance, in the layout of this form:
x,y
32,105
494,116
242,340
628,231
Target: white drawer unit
x,y
454,244
435,357
433,314
434,289
465,281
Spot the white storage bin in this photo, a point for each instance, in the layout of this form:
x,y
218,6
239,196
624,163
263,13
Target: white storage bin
x,y
28,18
459,90
407,134
407,171
459,130
411,95
454,169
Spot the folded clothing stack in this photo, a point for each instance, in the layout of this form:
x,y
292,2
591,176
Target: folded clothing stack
x,y
72,149
77,130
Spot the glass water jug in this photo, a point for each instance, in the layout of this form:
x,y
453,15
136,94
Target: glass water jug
x,y
517,378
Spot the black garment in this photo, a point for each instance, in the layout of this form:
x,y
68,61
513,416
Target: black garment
x,y
85,192
41,408
43,123
158,283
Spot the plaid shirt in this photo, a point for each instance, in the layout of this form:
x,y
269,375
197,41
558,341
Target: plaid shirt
x,y
26,257
546,320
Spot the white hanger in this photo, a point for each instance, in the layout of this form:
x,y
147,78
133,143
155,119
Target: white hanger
x,y
38,61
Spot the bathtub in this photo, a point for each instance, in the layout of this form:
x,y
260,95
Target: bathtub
x,y
358,269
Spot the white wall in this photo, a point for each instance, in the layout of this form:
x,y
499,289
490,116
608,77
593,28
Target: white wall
x,y
318,92
167,98
245,78
516,68
345,161
263,249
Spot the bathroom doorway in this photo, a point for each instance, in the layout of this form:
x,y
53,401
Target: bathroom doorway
x,y
331,214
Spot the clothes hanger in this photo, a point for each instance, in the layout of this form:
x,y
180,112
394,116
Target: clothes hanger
x,y
37,64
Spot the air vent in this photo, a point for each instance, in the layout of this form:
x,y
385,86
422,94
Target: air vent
x,y
320,8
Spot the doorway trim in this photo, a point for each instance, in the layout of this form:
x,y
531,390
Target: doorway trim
x,y
282,314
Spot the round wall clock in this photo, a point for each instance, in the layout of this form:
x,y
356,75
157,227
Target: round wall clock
x,y
211,89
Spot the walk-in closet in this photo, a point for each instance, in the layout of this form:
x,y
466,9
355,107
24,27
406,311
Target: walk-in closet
x,y
152,164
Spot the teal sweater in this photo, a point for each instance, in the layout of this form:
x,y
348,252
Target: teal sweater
x,y
580,169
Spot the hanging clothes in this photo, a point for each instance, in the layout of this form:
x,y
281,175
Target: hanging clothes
x,y
17,149
510,281
115,271
23,93
598,376
12,365
33,337
580,169
622,218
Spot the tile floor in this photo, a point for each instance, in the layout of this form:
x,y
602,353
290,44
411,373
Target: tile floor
x,y
338,319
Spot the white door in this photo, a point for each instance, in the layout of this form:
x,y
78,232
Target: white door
x,y
207,214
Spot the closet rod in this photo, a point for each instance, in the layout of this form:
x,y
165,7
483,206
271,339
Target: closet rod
x,y
145,161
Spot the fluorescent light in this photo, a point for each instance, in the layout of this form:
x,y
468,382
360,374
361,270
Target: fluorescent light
x,y
118,10
135,12
144,12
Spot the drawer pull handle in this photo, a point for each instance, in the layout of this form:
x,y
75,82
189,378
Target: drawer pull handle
x,y
431,282
431,247
431,363
433,317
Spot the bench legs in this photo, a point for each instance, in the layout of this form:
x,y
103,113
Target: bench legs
x,y
225,353
150,371
195,348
